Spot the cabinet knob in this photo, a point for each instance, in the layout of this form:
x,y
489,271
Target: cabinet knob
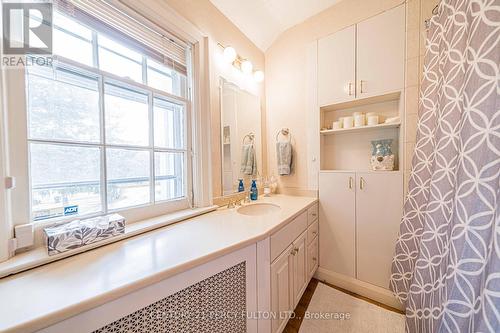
x,y
314,258
314,232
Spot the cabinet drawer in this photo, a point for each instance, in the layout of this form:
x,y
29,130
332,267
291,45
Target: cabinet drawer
x,y
312,257
312,214
312,231
282,238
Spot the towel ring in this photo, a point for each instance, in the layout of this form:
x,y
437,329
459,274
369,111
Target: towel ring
x,y
285,132
250,137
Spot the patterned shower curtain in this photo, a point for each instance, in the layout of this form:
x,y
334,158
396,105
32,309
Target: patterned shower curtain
x,y
446,268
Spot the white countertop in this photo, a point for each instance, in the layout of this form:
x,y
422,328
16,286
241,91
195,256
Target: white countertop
x,y
48,294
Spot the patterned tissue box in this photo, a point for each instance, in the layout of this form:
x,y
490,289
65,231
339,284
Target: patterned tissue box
x,y
78,233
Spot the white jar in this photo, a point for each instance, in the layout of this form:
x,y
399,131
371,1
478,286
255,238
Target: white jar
x,y
348,122
359,119
372,120
336,125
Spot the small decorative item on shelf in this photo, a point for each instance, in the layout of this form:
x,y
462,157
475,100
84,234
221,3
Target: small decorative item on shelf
x,y
372,119
75,234
382,157
336,125
359,119
348,122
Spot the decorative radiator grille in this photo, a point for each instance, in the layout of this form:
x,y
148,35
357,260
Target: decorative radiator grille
x,y
216,304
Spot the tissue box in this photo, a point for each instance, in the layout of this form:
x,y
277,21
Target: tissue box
x,y
75,234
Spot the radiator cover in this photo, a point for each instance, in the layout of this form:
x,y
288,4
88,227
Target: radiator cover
x,y
216,304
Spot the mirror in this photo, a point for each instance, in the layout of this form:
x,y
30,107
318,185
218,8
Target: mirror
x,y
241,137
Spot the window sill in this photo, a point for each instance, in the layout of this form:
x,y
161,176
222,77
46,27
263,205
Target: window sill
x,y
39,256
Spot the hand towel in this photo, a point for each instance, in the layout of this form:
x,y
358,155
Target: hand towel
x,y
284,157
248,160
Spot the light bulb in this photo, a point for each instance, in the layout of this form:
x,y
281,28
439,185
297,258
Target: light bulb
x,y
246,66
258,76
229,54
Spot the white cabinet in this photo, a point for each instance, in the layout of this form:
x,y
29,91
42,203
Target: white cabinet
x,y
337,229
380,53
300,279
336,67
363,60
281,288
292,269
359,221
379,203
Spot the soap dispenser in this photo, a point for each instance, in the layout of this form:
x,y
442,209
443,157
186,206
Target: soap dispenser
x,y
241,187
253,191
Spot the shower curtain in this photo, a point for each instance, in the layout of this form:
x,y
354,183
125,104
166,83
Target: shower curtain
x,y
446,268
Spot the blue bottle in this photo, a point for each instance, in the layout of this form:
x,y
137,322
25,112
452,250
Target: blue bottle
x,y
241,187
253,191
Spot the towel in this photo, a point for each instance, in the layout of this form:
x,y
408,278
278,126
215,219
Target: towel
x,y
248,160
284,157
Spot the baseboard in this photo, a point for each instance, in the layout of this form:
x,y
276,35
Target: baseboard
x,y
375,293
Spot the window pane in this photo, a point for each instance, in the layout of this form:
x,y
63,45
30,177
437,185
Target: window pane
x,y
127,116
163,78
62,105
159,76
72,40
169,124
62,177
169,176
128,177
73,48
119,60
68,24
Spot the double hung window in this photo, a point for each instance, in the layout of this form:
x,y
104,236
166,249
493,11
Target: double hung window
x,y
108,125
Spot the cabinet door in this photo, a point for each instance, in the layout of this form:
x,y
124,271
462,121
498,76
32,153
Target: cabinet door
x,y
381,53
299,267
337,237
336,67
312,258
379,203
281,289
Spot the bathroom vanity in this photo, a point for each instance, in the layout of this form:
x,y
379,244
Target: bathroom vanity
x,y
241,262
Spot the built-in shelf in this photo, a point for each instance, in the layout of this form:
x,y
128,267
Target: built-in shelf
x,y
392,96
358,170
359,129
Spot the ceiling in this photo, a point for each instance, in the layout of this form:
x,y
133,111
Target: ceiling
x,y
262,21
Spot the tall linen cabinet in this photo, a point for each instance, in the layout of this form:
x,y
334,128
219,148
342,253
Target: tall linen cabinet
x,y
360,68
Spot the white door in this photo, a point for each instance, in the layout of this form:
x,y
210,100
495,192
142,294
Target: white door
x,y
336,67
380,50
281,289
379,203
299,267
337,248
312,257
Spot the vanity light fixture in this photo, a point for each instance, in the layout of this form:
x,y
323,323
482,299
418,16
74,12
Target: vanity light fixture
x,y
246,66
230,54
258,76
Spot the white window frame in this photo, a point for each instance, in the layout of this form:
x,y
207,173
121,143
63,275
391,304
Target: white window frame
x,y
104,78
15,158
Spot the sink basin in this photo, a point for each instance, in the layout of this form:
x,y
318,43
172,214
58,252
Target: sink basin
x,y
258,209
